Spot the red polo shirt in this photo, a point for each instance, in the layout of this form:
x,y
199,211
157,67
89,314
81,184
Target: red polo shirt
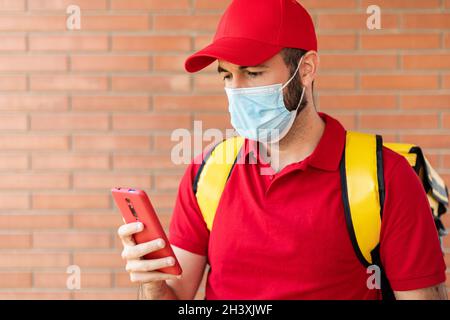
x,y
283,236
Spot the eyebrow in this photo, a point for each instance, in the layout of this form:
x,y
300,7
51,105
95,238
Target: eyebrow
x,y
220,69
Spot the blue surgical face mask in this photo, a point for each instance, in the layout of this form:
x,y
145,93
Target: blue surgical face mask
x,y
259,113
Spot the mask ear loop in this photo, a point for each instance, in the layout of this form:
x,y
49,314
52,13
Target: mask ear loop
x,y
295,73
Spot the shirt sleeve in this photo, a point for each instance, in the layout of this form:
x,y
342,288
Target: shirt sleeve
x,y
409,243
187,229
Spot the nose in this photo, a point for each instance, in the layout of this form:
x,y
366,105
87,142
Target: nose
x,y
237,82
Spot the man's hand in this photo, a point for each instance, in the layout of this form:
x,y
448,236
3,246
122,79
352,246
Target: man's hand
x,y
152,283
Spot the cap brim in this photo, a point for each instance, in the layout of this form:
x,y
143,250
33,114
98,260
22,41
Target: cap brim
x,y
242,52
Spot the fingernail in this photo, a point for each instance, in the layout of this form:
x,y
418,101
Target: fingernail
x,y
170,261
139,226
161,243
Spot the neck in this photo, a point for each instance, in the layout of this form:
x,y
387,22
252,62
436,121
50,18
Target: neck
x,y
300,141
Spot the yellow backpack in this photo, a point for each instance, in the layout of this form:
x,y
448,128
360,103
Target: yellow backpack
x,y
363,190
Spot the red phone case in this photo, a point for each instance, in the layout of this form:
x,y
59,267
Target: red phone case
x,y
135,206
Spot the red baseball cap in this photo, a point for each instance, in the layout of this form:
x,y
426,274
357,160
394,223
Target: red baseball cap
x,y
252,31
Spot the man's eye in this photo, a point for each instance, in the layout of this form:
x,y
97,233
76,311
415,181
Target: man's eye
x,y
227,77
253,74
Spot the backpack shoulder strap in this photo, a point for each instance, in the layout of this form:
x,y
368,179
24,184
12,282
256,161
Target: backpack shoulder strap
x,y
212,176
361,170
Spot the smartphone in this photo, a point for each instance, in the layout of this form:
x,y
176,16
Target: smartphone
x,y
134,206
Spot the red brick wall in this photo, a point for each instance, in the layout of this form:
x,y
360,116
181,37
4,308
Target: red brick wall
x,y
82,111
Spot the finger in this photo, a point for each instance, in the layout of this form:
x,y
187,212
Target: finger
x,y
129,229
140,250
149,265
128,241
152,276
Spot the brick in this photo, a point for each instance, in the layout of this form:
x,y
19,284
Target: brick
x,y
404,4
68,83
110,103
110,63
15,241
400,41
215,121
446,81
426,21
337,42
59,5
29,23
347,120
149,5
33,63
94,143
13,122
135,22
169,63
14,201
94,220
142,162
43,279
208,83
358,62
12,5
25,103
352,21
212,5
400,121
429,61
35,295
99,259
447,40
428,140
71,240
13,161
33,142
201,41
399,81
105,295
335,81
163,143
12,43
15,279
358,102
70,201
32,259
446,121
162,201
34,221
191,103
435,101
150,43
151,122
186,23
107,181
70,161
167,182
13,83
34,181
69,122
329,4
68,43
122,280
178,83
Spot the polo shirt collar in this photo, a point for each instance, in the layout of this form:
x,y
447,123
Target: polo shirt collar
x,y
327,154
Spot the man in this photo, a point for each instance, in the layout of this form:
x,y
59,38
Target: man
x,y
283,235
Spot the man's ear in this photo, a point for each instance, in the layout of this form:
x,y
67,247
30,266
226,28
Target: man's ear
x,y
309,68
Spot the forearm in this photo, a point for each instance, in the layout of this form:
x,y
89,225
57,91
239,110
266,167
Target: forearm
x,y
438,292
156,291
